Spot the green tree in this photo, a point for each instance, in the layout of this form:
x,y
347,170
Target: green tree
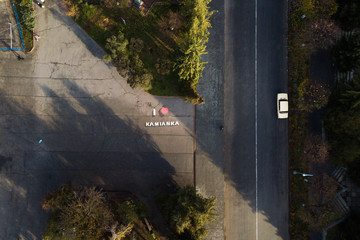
x,y
116,46
325,9
351,95
189,65
346,53
348,14
187,212
341,124
193,46
136,45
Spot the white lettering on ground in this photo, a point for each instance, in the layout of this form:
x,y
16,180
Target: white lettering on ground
x,y
162,124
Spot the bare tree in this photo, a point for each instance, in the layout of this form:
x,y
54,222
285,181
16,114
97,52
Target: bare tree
x,y
316,150
322,33
173,21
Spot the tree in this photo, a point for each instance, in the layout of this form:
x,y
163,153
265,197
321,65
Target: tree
x,y
193,46
316,215
312,95
189,65
136,45
316,150
348,14
341,124
174,21
81,214
187,212
322,33
323,186
116,46
346,53
325,9
318,212
351,96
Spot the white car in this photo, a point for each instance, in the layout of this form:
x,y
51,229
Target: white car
x,y
282,105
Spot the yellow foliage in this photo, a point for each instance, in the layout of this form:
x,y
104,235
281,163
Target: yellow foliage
x,y
308,7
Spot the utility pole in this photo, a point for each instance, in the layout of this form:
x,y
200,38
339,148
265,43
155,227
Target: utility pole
x,y
10,36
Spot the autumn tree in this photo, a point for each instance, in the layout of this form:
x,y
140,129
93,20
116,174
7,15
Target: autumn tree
x,y
318,212
312,95
322,33
316,150
173,21
323,187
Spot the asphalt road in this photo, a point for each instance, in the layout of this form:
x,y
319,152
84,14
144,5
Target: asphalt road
x,y
256,142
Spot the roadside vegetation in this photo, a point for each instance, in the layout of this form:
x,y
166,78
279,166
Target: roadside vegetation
x,y
26,15
160,51
92,214
311,28
332,25
87,213
187,213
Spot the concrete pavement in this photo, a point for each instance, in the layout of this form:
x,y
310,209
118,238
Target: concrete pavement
x,y
92,127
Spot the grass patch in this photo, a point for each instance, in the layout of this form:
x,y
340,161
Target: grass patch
x,y
160,45
27,33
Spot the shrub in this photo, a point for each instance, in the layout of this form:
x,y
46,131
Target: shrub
x,y
187,212
312,95
27,14
88,11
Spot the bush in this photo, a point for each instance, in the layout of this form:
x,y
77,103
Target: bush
x,y
312,95
131,210
86,214
142,80
187,212
27,14
88,11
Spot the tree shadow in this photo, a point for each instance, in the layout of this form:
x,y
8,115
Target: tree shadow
x,y
83,142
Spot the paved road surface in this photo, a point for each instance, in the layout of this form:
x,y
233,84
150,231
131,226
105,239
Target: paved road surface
x,y
256,142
